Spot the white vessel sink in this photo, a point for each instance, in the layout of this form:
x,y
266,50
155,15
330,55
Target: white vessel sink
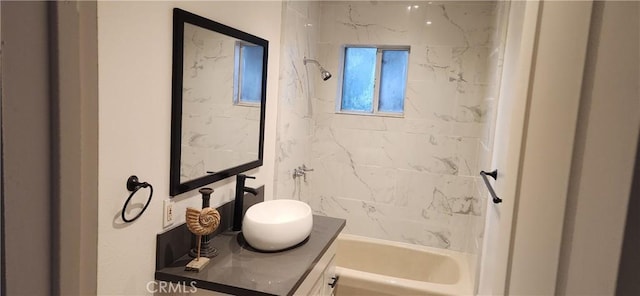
x,y
277,224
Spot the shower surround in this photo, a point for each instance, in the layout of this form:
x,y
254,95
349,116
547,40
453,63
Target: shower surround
x,y
410,179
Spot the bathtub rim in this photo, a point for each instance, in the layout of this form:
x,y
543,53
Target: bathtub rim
x,y
463,286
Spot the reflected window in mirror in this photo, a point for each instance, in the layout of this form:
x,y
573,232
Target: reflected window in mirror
x,y
218,101
247,86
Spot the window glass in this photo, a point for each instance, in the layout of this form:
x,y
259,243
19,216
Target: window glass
x,y
374,80
251,69
358,80
393,77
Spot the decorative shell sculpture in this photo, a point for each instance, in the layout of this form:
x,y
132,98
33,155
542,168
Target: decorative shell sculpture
x,y
202,222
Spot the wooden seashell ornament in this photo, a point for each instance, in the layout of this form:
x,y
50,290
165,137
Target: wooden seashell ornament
x,y
202,222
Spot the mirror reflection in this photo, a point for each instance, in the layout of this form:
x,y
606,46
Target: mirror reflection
x,y
221,108
218,100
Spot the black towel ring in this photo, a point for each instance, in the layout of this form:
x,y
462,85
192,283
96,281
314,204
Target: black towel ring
x,y
134,185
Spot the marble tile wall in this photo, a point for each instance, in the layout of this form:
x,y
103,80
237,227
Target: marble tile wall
x,y
410,179
294,129
485,147
494,64
209,60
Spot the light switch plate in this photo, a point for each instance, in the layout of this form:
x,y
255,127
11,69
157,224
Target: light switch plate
x,y
168,215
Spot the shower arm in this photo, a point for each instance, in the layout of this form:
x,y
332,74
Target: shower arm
x,y
324,73
306,60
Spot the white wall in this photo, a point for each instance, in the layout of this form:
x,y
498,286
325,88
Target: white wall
x,y
605,153
75,56
135,45
592,173
550,124
506,147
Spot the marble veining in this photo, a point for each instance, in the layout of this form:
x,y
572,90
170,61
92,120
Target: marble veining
x,y
300,19
446,16
359,26
411,179
208,68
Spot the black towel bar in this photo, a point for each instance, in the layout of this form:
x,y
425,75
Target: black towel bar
x,y
494,175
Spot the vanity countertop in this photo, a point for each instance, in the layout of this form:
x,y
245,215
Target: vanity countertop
x,y
240,270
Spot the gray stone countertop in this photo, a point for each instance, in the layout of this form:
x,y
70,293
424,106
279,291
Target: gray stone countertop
x,y
240,270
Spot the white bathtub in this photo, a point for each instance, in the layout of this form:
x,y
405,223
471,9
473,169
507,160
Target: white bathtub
x,y
371,267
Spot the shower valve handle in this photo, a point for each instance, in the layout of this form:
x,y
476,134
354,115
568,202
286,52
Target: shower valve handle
x,y
304,168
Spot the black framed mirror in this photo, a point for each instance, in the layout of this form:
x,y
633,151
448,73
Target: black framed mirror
x,y
218,101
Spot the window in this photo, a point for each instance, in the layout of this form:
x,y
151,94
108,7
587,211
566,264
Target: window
x,y
247,81
374,80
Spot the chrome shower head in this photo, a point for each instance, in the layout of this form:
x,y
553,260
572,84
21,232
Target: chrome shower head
x,y
324,74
